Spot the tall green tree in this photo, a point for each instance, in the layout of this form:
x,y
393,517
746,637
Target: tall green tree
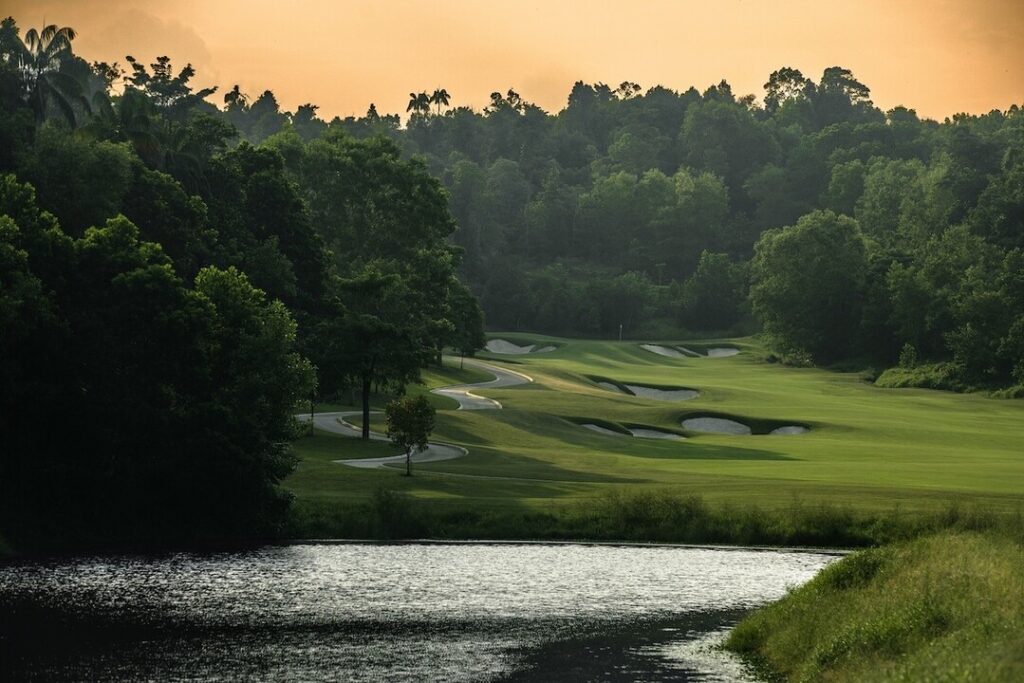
x,y
378,341
808,283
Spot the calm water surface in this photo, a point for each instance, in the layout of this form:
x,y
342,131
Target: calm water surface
x,y
387,612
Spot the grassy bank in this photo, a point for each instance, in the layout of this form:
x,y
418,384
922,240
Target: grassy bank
x,y
945,607
659,515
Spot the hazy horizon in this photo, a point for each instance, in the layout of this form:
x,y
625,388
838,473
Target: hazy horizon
x,y
343,56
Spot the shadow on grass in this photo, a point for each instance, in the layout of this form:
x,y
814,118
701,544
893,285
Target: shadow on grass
x,y
490,463
690,449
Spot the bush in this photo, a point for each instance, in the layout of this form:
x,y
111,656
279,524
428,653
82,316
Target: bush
x,y
928,376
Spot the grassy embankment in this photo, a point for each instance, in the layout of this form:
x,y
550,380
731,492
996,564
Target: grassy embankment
x,y
877,465
944,607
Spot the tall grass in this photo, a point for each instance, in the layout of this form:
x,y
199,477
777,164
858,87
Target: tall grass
x,y
948,606
642,516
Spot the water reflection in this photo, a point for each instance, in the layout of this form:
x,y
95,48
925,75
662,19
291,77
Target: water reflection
x,y
372,612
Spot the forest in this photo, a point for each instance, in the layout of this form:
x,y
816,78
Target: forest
x,y
844,233
180,269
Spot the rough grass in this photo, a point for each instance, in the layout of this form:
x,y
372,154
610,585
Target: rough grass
x,y
624,514
945,607
927,376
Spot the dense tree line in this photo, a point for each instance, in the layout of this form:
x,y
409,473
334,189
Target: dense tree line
x,y
170,292
846,231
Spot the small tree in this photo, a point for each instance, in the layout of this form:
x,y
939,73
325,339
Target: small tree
x,y
409,423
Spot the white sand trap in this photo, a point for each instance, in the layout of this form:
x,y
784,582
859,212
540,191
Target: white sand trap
x,y
601,430
722,352
637,432
663,394
610,387
716,425
654,434
688,352
789,429
507,347
666,351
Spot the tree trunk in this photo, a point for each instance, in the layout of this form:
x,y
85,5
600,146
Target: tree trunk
x,y
408,462
312,413
366,408
462,359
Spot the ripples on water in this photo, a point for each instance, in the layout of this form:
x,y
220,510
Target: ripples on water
x,y
376,612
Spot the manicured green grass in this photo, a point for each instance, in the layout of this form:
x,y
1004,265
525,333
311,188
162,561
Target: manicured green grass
x,y
871,451
945,607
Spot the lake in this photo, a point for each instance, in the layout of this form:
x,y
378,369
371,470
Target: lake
x,y
370,612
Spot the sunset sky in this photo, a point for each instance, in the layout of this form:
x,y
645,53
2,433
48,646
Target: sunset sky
x,y
938,57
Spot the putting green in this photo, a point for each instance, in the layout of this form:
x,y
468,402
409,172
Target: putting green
x,y
866,447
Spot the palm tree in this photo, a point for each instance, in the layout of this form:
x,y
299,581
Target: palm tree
x,y
419,103
38,60
440,97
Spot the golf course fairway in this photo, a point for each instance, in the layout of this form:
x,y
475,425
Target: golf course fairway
x,y
866,449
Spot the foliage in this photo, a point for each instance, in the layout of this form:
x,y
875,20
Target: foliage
x,y
156,381
162,286
715,296
410,421
808,284
44,64
467,334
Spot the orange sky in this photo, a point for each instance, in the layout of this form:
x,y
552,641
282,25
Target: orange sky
x,y
939,56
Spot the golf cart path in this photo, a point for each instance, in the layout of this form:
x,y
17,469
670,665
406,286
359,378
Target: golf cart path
x,y
336,422
468,400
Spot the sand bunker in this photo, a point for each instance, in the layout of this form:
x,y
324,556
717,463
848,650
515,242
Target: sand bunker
x,y
655,393
666,351
662,394
721,425
789,429
601,430
716,425
505,347
645,433
683,352
639,432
